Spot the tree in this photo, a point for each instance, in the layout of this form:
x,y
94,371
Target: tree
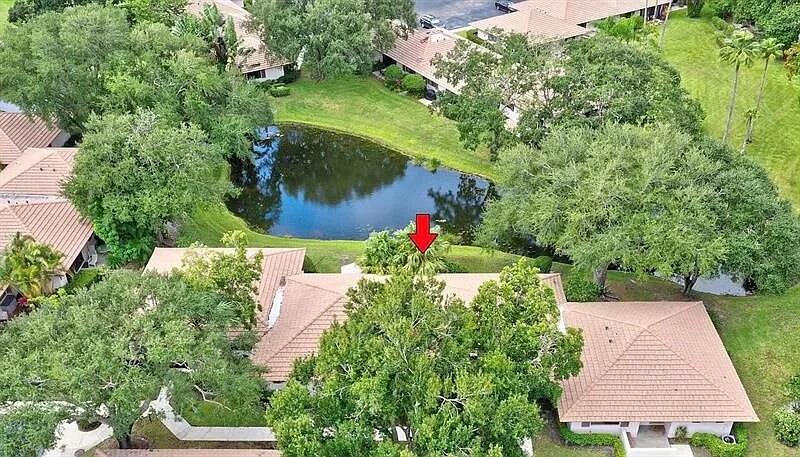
x,y
782,22
26,10
234,275
508,75
29,266
54,65
602,79
739,48
664,26
336,37
457,379
136,172
386,252
631,196
28,431
633,28
163,11
108,350
219,34
792,62
767,49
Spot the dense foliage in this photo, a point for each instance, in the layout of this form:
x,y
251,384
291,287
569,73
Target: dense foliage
x,y
29,266
779,19
136,172
718,448
336,37
592,439
116,345
386,252
28,431
786,421
579,289
456,379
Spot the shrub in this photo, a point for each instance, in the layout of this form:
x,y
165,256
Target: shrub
x,y
279,91
722,25
787,426
694,7
721,9
718,448
592,439
290,75
393,75
543,263
414,85
579,289
782,23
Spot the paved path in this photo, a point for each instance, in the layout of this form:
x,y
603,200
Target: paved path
x,y
72,440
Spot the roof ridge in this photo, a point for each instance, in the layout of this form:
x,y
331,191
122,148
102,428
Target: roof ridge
x,y
689,305
589,313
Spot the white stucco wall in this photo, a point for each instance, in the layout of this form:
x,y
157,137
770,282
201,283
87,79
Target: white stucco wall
x,y
716,428
646,452
270,74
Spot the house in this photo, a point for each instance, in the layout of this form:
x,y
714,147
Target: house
x,y
187,453
256,63
309,303
416,51
19,132
277,265
53,222
650,368
37,175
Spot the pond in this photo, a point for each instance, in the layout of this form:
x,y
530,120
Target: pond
x,y
311,183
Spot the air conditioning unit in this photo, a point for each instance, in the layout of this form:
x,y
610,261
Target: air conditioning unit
x,y
729,439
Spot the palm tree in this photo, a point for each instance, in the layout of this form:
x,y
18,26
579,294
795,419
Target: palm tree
x,y
29,266
738,49
664,26
766,49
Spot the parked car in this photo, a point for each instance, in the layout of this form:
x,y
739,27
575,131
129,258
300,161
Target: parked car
x,y
429,21
504,6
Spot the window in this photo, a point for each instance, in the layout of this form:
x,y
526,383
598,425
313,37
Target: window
x,y
585,424
624,424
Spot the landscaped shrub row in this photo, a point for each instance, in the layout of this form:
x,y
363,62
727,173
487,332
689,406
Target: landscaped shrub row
x,y
279,90
592,439
395,78
718,448
543,263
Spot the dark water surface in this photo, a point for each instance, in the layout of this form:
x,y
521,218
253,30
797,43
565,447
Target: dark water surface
x,y
312,183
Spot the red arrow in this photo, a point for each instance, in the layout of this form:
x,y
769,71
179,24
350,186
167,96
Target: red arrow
x,y
423,237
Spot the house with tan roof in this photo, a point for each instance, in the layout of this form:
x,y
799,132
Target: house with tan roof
x,y
256,62
649,370
38,174
53,222
19,132
416,51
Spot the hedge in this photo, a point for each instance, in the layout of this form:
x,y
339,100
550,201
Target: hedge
x,y
543,263
592,439
414,85
579,289
718,448
279,91
787,427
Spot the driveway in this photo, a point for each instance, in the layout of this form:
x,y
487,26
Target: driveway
x,y
456,14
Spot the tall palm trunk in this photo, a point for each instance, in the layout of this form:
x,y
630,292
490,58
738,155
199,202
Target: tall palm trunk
x,y
664,26
732,104
645,11
748,138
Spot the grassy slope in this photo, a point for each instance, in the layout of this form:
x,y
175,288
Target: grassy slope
x,y
4,6
691,48
364,107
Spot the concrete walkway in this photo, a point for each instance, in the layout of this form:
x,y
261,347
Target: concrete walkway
x,y
184,431
73,440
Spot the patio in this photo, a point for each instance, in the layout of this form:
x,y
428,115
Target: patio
x,y
650,436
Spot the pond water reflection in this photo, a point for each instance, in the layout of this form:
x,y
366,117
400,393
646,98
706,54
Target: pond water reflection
x,y
312,183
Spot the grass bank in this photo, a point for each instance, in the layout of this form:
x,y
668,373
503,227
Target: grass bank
x,y
323,256
691,48
4,6
364,107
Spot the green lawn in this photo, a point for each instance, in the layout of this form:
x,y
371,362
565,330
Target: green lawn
x,y
364,107
691,48
4,6
323,256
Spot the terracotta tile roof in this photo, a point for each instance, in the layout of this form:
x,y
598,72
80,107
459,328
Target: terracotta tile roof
x,y
278,263
312,302
187,453
39,172
260,58
651,361
534,22
19,132
55,223
417,50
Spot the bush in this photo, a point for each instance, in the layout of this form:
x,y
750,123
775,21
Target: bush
x,y
279,91
722,25
543,263
694,7
782,23
787,426
414,85
579,289
290,75
393,75
592,439
721,9
718,448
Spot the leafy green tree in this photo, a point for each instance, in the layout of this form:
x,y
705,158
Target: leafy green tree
x,y
636,197
694,7
739,48
508,75
604,80
767,49
163,11
136,172
27,431
234,275
387,252
456,379
29,266
117,344
25,10
336,37
782,22
54,65
218,32
633,28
